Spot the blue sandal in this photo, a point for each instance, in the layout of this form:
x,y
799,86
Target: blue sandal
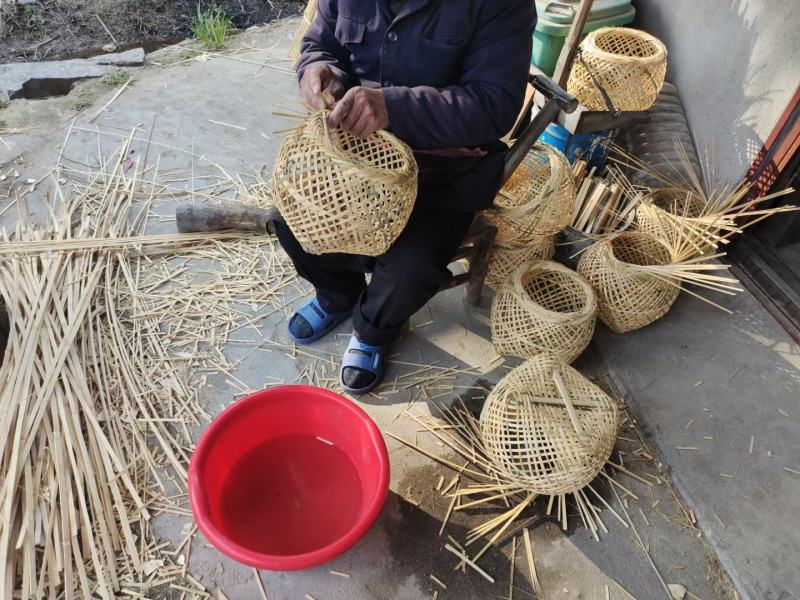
x,y
319,321
366,358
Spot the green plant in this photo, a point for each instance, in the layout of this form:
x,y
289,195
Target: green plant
x,y
116,77
81,104
211,26
30,17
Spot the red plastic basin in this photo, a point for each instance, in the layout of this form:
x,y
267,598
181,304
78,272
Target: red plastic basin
x,y
288,478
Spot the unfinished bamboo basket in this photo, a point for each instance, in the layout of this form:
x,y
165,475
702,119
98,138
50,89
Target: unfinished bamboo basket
x,y
506,259
340,193
305,22
543,307
667,212
548,428
629,296
630,65
538,199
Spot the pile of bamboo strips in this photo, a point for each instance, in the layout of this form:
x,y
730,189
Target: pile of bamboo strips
x,y
98,394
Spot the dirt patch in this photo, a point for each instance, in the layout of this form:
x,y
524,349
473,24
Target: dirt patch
x,y
56,29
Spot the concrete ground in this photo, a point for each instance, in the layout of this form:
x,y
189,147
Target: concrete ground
x,y
201,113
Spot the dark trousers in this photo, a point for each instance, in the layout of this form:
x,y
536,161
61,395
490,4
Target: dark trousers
x,y
403,279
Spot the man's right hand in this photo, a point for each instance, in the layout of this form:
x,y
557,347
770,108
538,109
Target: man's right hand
x,y
320,87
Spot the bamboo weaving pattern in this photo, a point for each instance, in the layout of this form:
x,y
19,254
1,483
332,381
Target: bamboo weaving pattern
x,y
506,259
339,193
548,428
629,295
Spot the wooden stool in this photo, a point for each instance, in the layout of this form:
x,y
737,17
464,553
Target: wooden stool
x,y
477,247
478,243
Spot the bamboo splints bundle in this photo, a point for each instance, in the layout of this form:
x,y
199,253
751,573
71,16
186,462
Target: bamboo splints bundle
x,y
97,389
602,204
309,14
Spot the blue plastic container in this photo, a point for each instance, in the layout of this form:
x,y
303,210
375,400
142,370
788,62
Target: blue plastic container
x,y
591,147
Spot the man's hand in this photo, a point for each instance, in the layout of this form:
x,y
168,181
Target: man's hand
x,y
362,111
320,87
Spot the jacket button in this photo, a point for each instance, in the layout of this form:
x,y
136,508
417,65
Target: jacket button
x,y
391,36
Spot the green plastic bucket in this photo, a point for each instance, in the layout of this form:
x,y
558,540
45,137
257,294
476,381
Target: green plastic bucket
x,y
555,18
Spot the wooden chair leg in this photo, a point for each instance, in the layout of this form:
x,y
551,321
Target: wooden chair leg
x,y
479,266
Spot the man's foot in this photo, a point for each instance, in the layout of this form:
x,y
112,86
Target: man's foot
x,y
311,322
362,366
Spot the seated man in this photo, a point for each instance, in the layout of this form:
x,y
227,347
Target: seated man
x,y
447,77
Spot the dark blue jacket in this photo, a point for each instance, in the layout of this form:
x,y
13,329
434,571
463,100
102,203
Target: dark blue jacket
x,y
453,71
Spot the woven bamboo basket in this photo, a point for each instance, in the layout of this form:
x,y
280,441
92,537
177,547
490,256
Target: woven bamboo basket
x,y
538,199
309,14
544,307
506,259
628,296
540,441
654,212
339,193
629,64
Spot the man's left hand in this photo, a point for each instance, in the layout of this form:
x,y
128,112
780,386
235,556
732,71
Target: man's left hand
x,y
361,111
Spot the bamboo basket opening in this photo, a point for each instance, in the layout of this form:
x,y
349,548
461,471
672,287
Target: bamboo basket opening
x,y
554,291
615,42
375,153
640,250
528,182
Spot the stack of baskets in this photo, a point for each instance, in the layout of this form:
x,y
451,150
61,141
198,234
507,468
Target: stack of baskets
x,y
618,68
535,203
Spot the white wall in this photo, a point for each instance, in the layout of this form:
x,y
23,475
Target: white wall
x,y
736,64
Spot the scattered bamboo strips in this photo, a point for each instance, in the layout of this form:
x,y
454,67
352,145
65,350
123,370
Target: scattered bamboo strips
x,y
497,477
97,384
